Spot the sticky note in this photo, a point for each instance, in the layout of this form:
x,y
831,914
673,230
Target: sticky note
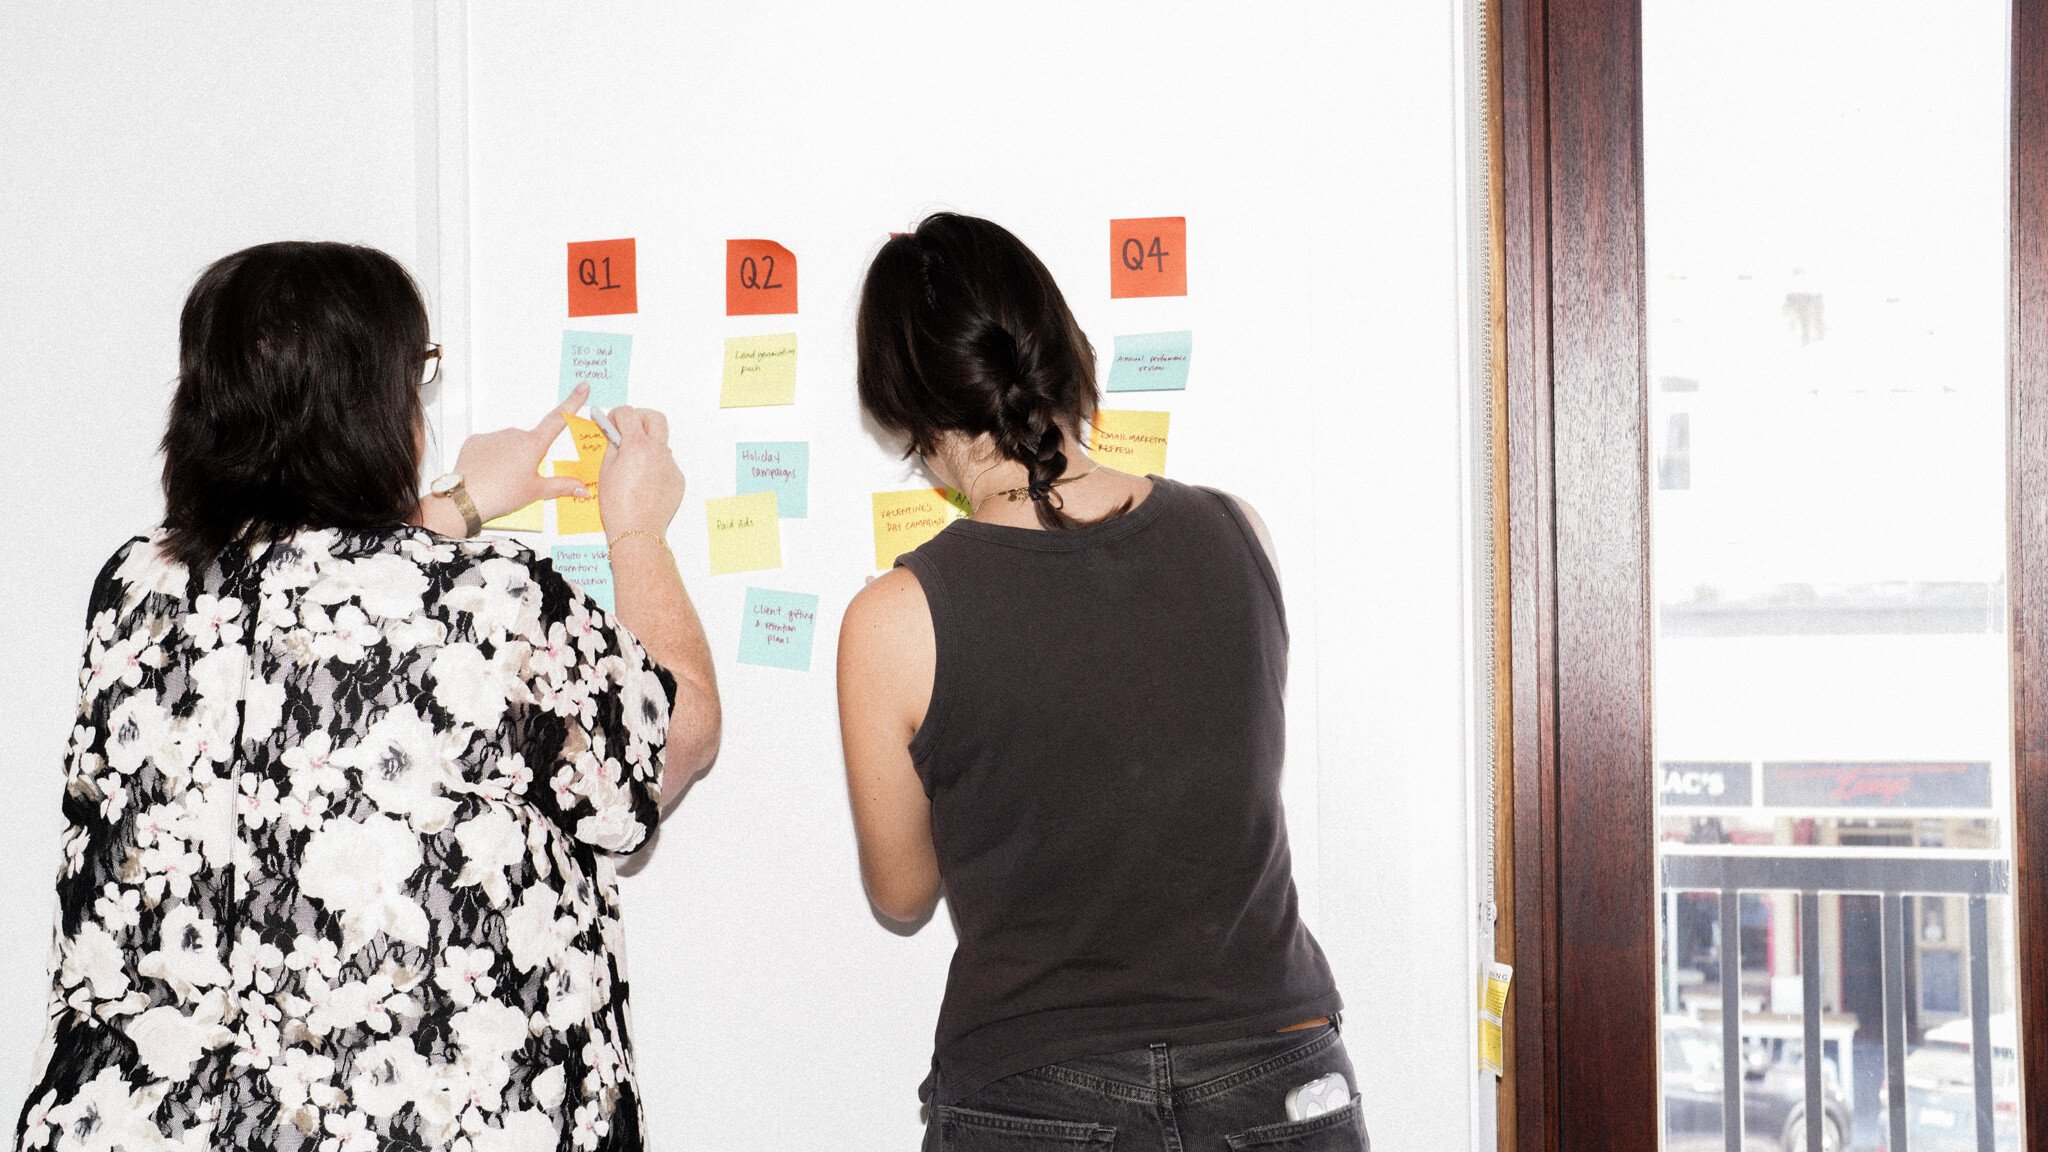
x,y
903,520
526,519
759,370
601,280
783,468
1148,257
746,534
760,278
599,359
1133,442
776,629
1151,362
589,439
589,567
575,516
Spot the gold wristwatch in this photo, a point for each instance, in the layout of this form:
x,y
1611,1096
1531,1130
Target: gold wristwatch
x,y
450,485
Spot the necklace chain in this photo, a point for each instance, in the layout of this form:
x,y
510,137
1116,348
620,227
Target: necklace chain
x,y
1015,494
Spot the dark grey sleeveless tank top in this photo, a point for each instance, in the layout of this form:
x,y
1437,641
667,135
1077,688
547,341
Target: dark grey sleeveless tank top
x,y
1102,753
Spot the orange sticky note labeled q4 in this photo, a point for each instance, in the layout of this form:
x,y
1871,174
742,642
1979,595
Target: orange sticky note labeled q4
x,y
1148,257
760,278
601,279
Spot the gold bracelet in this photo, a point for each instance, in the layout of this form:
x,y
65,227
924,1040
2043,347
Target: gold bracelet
x,y
657,537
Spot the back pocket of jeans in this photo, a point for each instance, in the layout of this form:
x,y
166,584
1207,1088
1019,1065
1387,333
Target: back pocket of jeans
x,y
967,1130
1339,1131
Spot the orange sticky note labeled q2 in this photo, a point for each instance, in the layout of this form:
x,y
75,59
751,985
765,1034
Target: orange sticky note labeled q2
x,y
1148,257
760,278
601,278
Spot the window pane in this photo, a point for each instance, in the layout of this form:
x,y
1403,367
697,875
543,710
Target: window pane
x,y
1826,193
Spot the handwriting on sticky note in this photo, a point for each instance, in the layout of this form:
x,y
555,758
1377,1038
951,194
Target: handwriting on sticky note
x,y
599,359
590,440
746,533
1151,362
526,519
760,278
1133,442
776,629
601,278
589,567
1148,257
904,520
576,515
782,467
759,371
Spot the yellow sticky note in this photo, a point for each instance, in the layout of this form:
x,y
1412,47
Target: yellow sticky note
x,y
526,519
903,520
759,370
589,438
746,533
573,516
1133,442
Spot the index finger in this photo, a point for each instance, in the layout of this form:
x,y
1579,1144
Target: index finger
x,y
558,416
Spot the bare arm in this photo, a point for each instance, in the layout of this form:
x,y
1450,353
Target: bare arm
x,y
638,493
1251,517
886,661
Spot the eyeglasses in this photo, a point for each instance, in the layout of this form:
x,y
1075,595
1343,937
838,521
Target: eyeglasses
x,y
430,365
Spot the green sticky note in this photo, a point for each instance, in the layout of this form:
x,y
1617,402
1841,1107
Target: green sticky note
x,y
782,468
599,359
777,627
1151,362
589,567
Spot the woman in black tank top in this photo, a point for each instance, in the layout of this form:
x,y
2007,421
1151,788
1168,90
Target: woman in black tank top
x,y
1067,710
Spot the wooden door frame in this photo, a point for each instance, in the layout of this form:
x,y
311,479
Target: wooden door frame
x,y
1584,1017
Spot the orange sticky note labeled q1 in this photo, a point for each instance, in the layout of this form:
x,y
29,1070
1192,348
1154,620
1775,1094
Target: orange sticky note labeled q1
x,y
1148,257
601,280
760,278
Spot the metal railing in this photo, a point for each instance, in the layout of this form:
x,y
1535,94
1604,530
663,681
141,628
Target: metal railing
x,y
1891,878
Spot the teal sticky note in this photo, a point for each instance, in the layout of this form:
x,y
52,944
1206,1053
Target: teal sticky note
x,y
781,467
589,567
776,629
1151,362
599,359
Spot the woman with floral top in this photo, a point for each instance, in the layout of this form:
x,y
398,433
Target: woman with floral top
x,y
348,781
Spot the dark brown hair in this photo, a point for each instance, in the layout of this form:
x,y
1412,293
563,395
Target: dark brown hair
x,y
298,402
962,329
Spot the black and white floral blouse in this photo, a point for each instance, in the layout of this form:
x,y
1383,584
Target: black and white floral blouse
x,y
338,874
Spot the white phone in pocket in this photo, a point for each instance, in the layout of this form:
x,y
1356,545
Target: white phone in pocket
x,y
1319,1097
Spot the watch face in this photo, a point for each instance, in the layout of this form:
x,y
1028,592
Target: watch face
x,y
443,485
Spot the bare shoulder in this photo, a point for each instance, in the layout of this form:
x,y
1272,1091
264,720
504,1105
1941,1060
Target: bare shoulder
x,y
891,599
1255,521
886,620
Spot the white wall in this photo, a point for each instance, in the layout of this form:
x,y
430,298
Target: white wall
x,y
139,142
1314,147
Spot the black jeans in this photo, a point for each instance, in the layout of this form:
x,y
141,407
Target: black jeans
x,y
1217,1097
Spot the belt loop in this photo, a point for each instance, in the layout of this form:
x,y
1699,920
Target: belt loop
x,y
1337,1022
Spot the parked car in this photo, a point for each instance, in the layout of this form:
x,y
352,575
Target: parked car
x,y
1941,1100
1773,1095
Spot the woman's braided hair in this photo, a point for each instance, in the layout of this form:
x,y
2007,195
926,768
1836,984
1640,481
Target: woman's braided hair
x,y
962,329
